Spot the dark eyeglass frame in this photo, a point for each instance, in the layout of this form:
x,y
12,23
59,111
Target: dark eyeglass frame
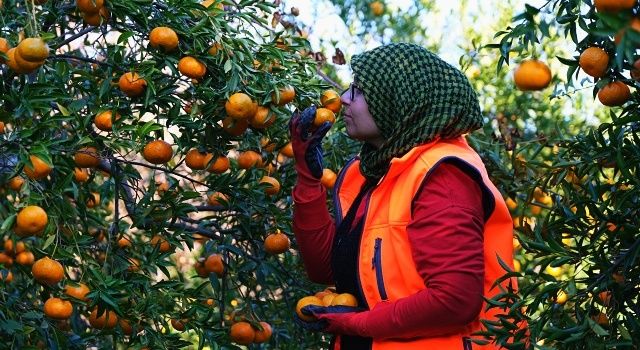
x,y
352,94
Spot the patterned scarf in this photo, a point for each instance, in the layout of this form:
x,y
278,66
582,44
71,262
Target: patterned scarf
x,y
414,97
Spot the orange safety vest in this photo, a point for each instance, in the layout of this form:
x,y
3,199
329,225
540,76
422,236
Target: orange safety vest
x,y
393,274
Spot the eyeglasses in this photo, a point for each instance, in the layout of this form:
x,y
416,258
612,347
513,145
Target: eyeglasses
x,y
352,91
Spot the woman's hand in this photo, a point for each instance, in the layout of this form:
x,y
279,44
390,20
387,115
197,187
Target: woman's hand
x,y
307,143
335,319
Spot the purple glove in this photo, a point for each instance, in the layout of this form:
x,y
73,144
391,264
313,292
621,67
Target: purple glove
x,y
307,145
336,319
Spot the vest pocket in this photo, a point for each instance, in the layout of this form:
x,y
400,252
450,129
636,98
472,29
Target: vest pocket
x,y
376,263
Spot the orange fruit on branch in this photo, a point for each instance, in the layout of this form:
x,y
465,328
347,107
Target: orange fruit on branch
x,y
532,75
15,183
263,336
613,5
98,18
219,166
240,106
215,198
276,243
614,94
104,120
33,49
235,127
157,152
89,6
331,101
132,84
287,150
106,320
31,220
309,300
328,178
594,61
196,159
6,260
242,333
284,96
13,64
57,308
323,115
25,258
25,65
214,49
47,271
80,175
163,38
263,118
38,169
6,276
4,45
80,292
634,24
163,245
214,264
249,159
192,67
87,157
178,324
377,8
273,185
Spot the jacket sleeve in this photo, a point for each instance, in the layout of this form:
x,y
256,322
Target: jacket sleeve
x,y
314,228
446,235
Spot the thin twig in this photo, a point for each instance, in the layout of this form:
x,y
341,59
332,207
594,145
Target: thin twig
x,y
329,80
75,36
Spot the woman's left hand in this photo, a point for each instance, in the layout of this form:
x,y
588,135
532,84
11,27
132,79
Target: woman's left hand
x,y
335,319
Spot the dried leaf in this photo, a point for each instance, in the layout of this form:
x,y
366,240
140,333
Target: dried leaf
x,y
338,58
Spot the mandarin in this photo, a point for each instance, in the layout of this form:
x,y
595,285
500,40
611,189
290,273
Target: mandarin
x,y
132,84
157,152
31,220
87,157
57,308
276,243
38,169
47,271
192,67
163,38
532,75
242,333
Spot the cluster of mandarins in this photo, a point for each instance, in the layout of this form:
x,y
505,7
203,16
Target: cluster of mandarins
x,y
327,297
94,12
18,253
245,333
50,273
594,61
27,57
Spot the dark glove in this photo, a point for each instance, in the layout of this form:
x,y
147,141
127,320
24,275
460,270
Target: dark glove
x,y
334,319
307,144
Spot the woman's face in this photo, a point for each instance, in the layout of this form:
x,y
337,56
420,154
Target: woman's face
x,y
359,122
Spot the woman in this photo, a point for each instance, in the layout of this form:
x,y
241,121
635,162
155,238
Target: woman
x,y
418,224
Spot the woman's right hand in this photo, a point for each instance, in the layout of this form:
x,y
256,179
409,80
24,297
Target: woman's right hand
x,y
307,144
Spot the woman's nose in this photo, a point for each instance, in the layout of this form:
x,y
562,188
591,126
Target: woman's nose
x,y
345,98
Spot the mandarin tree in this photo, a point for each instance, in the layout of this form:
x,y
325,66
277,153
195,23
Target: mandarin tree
x,y
124,180
573,182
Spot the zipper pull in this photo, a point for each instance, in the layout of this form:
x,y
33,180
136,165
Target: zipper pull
x,y
376,249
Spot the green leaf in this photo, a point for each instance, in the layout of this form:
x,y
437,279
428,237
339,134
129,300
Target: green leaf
x,y
48,242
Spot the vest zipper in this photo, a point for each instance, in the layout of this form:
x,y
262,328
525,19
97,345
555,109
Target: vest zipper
x,y
376,263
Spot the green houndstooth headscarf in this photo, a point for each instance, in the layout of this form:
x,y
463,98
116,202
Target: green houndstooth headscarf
x,y
414,96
